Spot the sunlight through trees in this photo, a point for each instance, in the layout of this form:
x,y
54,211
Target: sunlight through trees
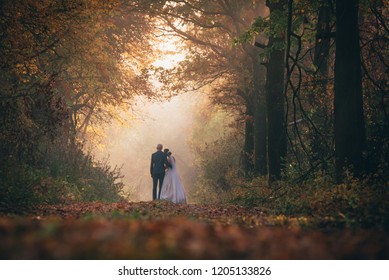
x,y
260,98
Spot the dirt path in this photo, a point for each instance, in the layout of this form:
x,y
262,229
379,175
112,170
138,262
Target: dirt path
x,y
161,230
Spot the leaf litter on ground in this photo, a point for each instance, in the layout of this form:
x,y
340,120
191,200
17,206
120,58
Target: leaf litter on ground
x,y
163,230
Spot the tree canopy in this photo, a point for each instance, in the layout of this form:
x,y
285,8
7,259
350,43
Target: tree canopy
x,y
305,82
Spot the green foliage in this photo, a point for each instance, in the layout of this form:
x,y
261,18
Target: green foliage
x,y
16,183
217,146
353,203
59,174
218,164
86,179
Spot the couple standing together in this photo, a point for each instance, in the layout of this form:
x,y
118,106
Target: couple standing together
x,y
164,173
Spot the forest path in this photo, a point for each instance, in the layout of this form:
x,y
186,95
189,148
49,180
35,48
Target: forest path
x,y
163,230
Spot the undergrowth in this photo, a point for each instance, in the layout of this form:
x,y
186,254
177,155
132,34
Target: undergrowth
x,y
361,203
353,203
62,174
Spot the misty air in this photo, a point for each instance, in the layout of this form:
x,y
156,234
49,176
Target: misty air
x,y
195,130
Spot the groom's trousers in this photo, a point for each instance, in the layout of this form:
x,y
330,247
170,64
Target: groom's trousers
x,y
157,180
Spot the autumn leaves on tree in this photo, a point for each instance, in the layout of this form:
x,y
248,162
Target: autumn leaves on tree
x,y
305,81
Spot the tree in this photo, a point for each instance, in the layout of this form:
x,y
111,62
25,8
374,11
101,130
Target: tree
x,y
210,28
374,33
309,83
65,65
260,119
349,125
275,100
323,41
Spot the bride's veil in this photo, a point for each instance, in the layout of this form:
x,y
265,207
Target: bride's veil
x,y
172,161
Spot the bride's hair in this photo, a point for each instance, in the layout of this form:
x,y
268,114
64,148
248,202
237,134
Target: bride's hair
x,y
169,153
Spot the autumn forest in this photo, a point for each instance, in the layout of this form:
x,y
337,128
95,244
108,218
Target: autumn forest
x,y
276,110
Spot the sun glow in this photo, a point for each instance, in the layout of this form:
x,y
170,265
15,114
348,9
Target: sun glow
x,y
170,53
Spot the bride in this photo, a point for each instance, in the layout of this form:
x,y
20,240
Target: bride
x,y
172,188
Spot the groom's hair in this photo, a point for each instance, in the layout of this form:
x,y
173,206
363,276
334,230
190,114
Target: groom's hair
x,y
159,147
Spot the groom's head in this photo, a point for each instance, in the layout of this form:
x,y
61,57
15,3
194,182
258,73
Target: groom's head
x,y
159,147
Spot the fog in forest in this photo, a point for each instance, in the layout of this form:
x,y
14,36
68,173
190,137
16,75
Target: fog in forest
x,y
130,146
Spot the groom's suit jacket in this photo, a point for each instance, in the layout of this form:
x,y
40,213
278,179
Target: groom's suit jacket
x,y
158,163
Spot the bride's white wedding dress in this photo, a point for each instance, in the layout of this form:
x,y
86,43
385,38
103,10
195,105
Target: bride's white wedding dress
x,y
172,188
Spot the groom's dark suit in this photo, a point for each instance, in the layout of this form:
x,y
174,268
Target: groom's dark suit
x,y
157,170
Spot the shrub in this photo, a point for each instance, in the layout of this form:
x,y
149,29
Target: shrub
x,y
16,184
59,174
354,202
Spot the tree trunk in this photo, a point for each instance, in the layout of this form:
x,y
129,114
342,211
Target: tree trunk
x,y
349,126
323,40
260,132
248,148
320,148
275,102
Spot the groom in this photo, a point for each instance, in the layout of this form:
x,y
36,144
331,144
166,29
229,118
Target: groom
x,y
157,169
